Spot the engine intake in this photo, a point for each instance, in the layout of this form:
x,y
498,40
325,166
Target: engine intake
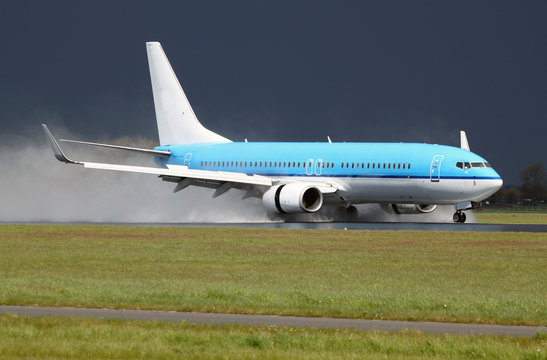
x,y
293,198
412,208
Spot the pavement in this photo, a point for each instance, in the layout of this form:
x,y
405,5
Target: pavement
x,y
289,321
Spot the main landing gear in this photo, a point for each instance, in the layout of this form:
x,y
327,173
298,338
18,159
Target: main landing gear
x,y
459,217
343,213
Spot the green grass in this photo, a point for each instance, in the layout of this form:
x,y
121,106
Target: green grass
x,y
406,275
511,216
55,338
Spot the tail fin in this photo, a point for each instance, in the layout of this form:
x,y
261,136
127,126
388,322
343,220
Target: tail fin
x,y
177,123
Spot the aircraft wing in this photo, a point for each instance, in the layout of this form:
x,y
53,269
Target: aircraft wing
x,y
222,181
181,171
174,173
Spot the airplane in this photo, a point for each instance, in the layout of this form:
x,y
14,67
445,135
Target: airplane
x,y
301,177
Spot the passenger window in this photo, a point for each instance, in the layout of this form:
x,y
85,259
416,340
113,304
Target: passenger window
x,y
384,165
404,166
408,167
373,165
368,165
389,166
399,166
352,165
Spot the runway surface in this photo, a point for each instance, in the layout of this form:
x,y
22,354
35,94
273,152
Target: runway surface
x,y
335,225
289,321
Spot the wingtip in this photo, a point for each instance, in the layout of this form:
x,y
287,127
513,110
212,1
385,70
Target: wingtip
x,y
464,144
59,154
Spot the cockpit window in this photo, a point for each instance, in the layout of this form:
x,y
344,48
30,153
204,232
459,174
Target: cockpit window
x,y
487,165
463,165
477,164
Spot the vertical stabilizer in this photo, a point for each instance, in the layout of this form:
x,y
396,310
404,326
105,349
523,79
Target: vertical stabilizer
x,y
177,123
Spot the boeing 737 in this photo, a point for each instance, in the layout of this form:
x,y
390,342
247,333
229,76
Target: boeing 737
x,y
301,177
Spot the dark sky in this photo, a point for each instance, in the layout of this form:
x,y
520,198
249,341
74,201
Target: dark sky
x,y
413,71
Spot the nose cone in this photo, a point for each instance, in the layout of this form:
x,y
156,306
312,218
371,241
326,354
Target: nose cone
x,y
497,184
492,185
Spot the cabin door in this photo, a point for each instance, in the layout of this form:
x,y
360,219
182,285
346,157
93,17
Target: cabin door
x,y
435,172
309,167
187,159
318,166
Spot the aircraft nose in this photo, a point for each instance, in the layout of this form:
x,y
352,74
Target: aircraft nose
x,y
497,184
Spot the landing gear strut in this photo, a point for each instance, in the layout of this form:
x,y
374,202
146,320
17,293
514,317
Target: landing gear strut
x,y
459,217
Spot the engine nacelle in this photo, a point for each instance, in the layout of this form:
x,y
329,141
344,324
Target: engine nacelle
x,y
411,208
293,198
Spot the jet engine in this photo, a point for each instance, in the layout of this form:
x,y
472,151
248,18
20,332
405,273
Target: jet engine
x,y
410,208
293,198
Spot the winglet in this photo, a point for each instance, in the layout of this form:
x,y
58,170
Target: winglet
x,y
464,144
59,154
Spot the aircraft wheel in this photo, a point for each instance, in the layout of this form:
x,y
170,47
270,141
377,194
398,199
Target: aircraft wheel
x,y
343,213
351,213
459,217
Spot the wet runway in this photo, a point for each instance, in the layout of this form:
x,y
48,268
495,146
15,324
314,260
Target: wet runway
x,y
376,226
339,225
290,321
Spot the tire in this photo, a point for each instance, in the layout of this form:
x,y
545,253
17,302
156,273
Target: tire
x,y
351,213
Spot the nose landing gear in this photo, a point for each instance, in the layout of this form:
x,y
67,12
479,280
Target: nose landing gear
x,y
459,217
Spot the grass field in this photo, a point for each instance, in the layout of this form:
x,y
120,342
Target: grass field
x,y
55,338
511,216
408,275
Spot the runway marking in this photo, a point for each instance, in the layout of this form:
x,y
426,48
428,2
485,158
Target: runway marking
x,y
291,321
